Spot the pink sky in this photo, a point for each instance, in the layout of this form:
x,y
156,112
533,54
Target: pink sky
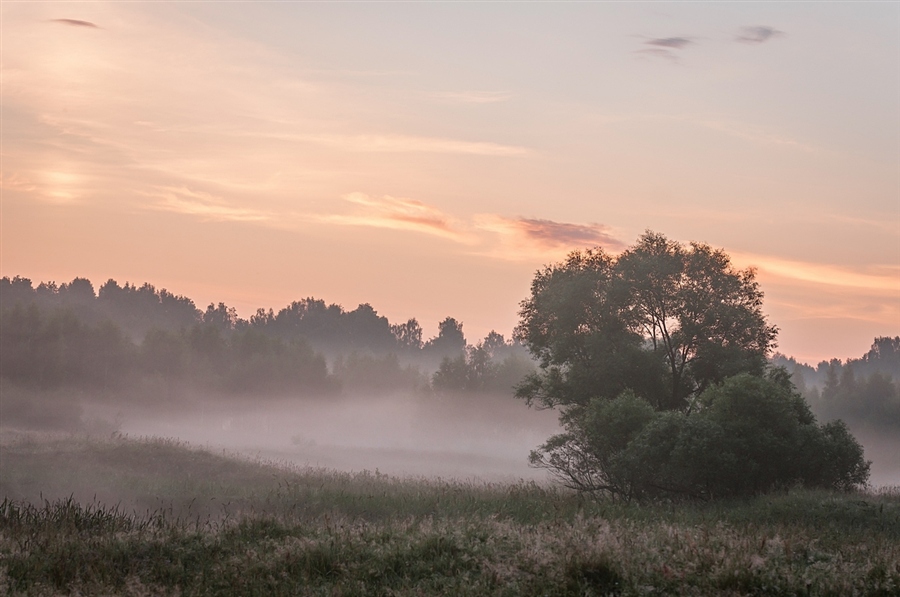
x,y
427,159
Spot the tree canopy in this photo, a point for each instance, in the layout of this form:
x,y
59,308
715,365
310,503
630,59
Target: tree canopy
x,y
657,360
663,319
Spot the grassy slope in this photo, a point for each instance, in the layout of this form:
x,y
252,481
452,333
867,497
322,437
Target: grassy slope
x,y
172,519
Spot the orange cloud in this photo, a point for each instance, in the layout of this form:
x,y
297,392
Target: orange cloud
x,y
398,214
62,184
409,144
878,279
528,238
495,236
16,182
205,205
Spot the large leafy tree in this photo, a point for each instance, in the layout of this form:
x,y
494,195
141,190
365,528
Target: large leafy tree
x,y
657,360
663,319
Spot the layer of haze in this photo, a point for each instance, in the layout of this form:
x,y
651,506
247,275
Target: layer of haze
x,y
428,158
480,437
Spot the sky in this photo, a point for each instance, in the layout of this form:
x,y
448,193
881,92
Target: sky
x,y
429,158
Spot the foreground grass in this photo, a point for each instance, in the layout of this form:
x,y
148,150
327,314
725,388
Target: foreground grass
x,y
227,526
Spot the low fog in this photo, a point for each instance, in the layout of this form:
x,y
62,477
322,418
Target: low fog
x,y
478,437
482,437
882,448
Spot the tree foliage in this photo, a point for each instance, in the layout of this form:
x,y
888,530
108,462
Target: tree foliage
x,y
130,339
752,434
493,365
657,360
663,319
327,328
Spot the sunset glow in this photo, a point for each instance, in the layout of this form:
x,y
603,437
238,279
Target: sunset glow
x,y
428,158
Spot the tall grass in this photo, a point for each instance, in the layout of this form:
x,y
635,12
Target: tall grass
x,y
282,531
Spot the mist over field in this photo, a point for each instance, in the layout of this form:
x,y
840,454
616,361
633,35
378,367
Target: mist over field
x,y
484,437
463,437
883,449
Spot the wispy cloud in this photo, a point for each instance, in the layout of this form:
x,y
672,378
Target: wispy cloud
x,y
550,234
880,279
838,306
237,119
359,73
399,214
663,48
61,184
204,205
527,238
75,23
890,225
670,42
16,182
753,133
408,144
473,97
757,34
490,235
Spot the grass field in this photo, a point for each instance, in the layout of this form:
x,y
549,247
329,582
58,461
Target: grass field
x,y
151,516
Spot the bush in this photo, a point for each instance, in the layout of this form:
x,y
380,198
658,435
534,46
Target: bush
x,y
746,436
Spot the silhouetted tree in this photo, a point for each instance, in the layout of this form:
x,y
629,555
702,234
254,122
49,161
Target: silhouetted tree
x,y
16,290
663,320
369,331
408,335
376,374
450,341
138,309
221,316
492,365
657,359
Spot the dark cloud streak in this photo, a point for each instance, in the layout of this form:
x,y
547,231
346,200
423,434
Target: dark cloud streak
x,y
75,23
757,34
548,233
670,42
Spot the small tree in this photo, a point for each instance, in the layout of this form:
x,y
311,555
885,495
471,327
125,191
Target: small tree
x,y
493,366
408,335
450,341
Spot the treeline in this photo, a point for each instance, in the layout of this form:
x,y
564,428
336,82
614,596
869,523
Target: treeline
x,y
861,390
140,337
129,336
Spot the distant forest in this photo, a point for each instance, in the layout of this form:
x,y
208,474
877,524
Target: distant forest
x,y
141,338
863,390
142,343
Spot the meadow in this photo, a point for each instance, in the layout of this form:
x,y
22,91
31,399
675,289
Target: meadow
x,y
140,516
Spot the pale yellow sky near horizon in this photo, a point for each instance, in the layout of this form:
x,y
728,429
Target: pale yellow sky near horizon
x,y
429,158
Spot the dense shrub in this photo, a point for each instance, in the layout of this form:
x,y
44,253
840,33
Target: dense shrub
x,y
745,436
